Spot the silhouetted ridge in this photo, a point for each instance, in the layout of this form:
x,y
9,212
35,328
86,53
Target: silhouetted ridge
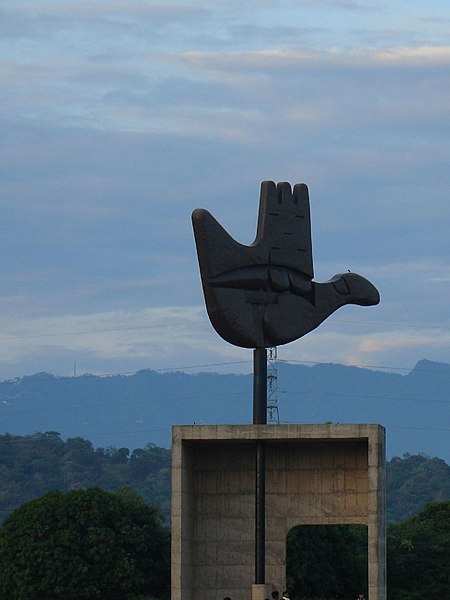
x,y
130,410
430,367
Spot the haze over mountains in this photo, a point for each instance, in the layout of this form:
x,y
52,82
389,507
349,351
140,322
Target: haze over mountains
x,y
134,410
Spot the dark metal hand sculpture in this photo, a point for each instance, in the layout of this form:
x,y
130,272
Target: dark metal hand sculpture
x,y
263,295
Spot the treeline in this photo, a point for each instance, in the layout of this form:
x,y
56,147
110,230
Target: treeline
x,y
412,481
90,543
321,560
85,544
34,464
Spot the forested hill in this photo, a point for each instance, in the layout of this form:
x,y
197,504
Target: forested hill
x,y
413,480
32,465
130,410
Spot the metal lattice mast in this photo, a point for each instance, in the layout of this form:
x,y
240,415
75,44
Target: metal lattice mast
x,y
272,387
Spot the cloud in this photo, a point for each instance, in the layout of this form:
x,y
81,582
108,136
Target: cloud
x,y
158,338
360,341
168,337
354,59
105,333
64,12
398,339
119,118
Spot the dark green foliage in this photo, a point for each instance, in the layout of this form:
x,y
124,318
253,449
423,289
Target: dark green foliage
x,y
32,465
82,545
326,559
412,481
320,559
419,555
333,559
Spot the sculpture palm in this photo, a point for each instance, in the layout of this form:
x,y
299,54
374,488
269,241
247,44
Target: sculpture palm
x,y
264,295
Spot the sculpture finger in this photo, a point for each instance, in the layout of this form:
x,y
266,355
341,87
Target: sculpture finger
x,y
284,227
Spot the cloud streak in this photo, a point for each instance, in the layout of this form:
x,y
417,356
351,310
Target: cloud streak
x,y
119,119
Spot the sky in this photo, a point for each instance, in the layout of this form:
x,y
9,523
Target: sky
x,y
118,118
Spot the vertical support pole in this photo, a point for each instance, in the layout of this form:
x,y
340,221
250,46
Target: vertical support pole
x,y
260,386
260,418
260,514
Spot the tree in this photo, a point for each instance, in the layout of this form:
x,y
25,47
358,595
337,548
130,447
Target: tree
x,y
418,555
33,465
412,481
326,559
82,545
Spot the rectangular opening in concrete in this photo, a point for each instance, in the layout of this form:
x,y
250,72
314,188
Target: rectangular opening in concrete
x,y
325,561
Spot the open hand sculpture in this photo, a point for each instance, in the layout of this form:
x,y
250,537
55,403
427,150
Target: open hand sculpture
x,y
263,295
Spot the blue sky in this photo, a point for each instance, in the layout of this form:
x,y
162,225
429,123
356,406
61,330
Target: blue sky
x,y
119,118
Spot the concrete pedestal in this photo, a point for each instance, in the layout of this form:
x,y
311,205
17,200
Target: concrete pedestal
x,y
315,475
261,591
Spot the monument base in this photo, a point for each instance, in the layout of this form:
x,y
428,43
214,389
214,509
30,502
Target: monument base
x,y
261,591
330,474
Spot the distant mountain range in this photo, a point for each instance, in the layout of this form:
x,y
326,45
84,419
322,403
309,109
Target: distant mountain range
x,y
131,411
